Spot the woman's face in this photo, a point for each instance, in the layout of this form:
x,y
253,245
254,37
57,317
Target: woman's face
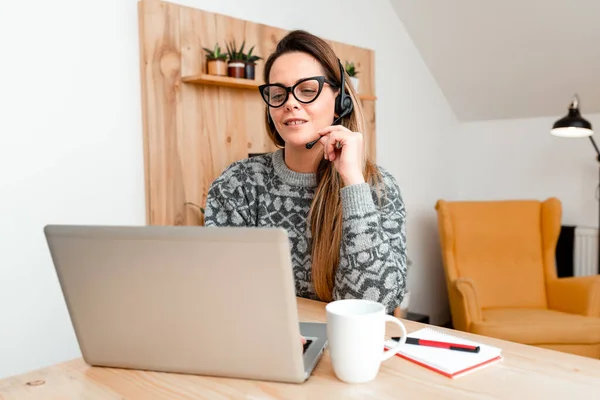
x,y
297,122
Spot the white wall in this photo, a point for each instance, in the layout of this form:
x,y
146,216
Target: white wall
x,y
71,142
70,152
519,158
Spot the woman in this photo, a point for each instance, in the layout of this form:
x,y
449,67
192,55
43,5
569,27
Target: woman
x,y
345,216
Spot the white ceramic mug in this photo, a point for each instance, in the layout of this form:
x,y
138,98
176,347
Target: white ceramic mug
x,y
356,336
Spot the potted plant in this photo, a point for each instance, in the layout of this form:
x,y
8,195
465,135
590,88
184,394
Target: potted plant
x,y
250,61
236,63
352,72
216,62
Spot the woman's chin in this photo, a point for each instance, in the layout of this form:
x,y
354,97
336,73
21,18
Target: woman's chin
x,y
299,139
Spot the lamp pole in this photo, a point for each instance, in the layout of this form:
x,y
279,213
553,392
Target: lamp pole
x,y
597,197
573,125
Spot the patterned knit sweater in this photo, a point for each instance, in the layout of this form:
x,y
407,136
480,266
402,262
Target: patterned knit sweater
x,y
262,191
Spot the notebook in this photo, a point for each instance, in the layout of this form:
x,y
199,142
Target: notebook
x,y
450,363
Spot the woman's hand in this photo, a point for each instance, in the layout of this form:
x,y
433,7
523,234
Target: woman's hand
x,y
345,149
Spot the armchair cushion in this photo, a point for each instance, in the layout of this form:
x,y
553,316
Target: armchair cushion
x,y
578,295
538,326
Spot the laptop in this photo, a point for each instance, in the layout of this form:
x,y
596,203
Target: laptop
x,y
192,300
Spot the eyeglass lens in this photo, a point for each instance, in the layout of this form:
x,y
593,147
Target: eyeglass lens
x,y
304,92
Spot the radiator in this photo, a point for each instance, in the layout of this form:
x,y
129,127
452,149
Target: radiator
x,y
585,252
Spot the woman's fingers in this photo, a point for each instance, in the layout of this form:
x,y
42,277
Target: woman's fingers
x,y
332,140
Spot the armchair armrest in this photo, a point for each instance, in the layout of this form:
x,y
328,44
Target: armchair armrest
x,y
577,295
465,306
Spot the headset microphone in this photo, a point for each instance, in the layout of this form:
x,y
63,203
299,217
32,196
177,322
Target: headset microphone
x,y
343,104
335,122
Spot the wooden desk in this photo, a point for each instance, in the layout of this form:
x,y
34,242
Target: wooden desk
x,y
526,373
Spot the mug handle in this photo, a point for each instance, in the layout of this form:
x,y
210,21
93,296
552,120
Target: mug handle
x,y
392,351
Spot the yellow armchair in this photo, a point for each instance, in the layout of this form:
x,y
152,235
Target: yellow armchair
x,y
499,263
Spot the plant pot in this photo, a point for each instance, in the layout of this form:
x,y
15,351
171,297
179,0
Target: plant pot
x,y
250,69
236,69
355,81
216,67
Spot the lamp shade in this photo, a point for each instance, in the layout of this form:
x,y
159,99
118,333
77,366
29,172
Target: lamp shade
x,y
572,125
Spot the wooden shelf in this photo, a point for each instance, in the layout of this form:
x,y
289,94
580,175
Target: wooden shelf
x,y
238,83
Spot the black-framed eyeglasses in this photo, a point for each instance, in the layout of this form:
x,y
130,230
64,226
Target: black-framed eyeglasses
x,y
305,91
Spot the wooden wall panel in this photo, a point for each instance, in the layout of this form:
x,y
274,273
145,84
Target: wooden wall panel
x,y
193,131
160,60
369,135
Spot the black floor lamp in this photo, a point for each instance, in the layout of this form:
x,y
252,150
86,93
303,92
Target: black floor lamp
x,y
574,126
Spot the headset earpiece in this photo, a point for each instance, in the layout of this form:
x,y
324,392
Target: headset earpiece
x,y
343,101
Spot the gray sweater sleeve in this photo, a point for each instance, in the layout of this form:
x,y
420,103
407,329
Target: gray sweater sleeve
x,y
230,199
373,250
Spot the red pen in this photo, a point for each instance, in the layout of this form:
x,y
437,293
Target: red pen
x,y
443,345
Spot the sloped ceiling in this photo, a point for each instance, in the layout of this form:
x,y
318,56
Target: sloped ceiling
x,y
498,59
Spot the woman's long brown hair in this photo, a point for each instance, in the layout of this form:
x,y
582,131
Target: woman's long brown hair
x,y
325,215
